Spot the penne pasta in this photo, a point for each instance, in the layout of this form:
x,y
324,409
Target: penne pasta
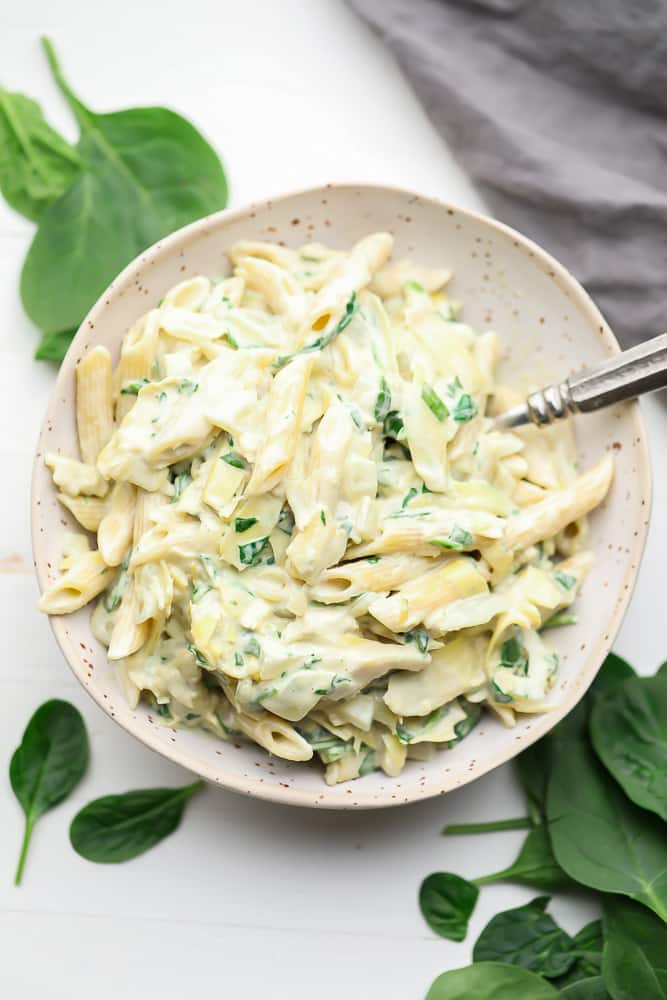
x,y
94,403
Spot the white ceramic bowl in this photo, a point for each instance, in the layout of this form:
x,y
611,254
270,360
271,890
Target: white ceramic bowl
x,y
549,326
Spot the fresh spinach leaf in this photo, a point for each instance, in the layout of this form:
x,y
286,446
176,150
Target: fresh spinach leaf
x,y
48,764
627,973
535,864
592,988
491,981
535,763
147,172
591,937
36,164
588,943
527,936
447,902
629,732
599,837
634,961
53,346
120,827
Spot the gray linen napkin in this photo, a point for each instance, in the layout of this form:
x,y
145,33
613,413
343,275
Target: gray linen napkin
x,y
557,109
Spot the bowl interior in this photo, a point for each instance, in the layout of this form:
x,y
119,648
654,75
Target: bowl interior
x,y
549,328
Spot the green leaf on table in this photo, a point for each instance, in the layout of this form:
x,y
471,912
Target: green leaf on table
x,y
535,864
491,981
634,961
535,763
147,172
48,764
592,988
599,837
447,902
53,346
527,936
36,164
588,943
629,733
120,827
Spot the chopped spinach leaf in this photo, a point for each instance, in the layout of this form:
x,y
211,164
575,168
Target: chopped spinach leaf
x,y
251,553
200,659
412,492
242,524
233,458
132,388
252,647
383,402
465,409
321,342
434,403
457,539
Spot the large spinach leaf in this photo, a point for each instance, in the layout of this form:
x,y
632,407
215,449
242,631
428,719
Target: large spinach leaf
x,y
36,164
446,902
629,733
535,864
599,837
634,962
120,827
535,763
527,936
491,981
147,172
49,762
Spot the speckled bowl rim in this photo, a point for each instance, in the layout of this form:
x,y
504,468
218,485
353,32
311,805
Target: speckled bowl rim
x,y
181,239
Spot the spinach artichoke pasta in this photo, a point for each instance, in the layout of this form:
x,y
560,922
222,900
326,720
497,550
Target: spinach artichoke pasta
x,y
308,531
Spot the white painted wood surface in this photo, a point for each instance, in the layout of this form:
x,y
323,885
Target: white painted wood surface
x,y
247,899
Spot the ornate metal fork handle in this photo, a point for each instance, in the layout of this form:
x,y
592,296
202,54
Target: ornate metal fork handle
x,y
626,375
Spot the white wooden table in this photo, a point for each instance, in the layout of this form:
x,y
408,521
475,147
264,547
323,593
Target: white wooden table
x,y
248,899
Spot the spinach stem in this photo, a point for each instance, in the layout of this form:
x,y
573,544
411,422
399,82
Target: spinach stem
x,y
27,834
518,823
494,877
80,111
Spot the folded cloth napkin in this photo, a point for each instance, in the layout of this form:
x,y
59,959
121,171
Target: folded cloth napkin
x,y
557,109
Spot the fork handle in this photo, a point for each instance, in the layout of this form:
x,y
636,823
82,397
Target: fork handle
x,y
641,369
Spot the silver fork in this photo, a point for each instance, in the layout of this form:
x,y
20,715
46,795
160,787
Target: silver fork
x,y
626,375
